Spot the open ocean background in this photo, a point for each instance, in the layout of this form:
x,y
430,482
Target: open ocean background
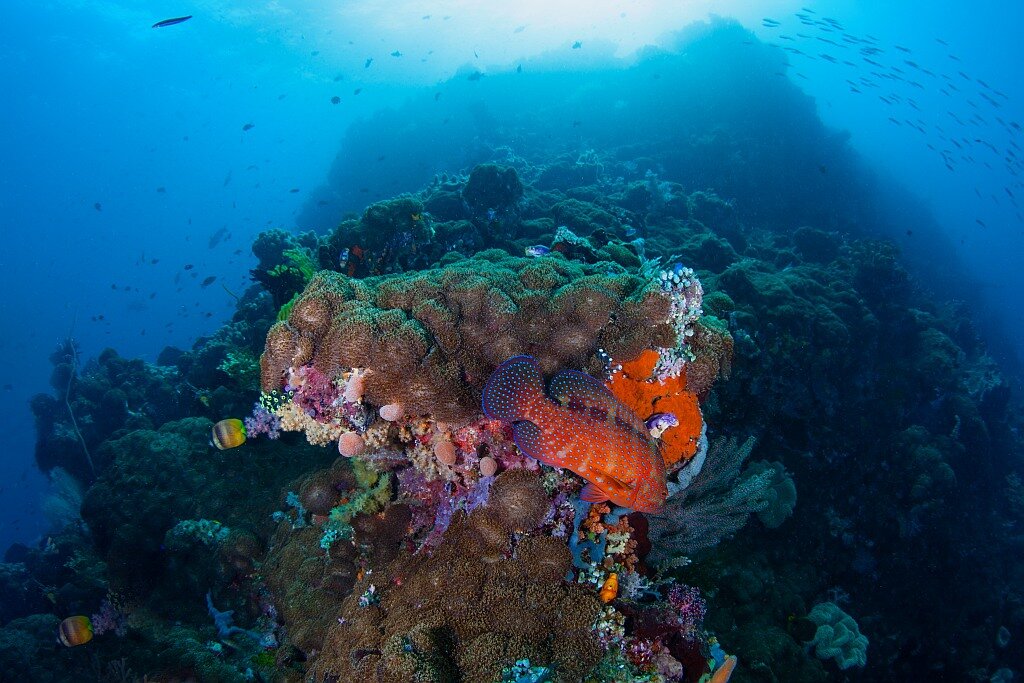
x,y
132,153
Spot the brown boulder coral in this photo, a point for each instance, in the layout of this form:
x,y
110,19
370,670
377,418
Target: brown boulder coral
x,y
428,340
467,610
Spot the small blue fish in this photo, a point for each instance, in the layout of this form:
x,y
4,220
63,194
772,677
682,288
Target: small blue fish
x,y
343,258
491,214
630,231
538,250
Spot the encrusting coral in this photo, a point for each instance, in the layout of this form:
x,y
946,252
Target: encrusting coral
x,y
429,340
473,605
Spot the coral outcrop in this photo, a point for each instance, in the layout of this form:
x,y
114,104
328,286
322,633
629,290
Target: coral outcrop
x,y
473,606
429,340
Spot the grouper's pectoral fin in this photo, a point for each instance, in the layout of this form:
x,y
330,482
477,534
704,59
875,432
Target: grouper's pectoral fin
x,y
592,494
609,489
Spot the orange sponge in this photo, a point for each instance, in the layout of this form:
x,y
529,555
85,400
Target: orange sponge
x,y
635,388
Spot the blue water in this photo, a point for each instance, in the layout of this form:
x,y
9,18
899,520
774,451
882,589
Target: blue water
x,y
126,154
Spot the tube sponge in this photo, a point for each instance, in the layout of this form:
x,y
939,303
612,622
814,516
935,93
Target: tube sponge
x,y
838,636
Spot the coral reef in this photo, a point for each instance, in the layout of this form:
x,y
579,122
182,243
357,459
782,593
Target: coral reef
x,y
429,547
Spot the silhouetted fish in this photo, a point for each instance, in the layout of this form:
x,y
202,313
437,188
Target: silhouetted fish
x,y
171,22
216,237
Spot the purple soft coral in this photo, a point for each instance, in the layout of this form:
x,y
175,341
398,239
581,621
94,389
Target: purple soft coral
x,y
689,608
314,391
262,421
109,620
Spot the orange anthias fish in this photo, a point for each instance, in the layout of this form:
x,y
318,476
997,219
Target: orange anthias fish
x,y
583,428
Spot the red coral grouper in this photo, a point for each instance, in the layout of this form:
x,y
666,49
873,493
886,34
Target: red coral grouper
x,y
584,428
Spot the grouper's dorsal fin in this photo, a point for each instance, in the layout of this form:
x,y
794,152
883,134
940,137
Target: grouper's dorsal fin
x,y
573,388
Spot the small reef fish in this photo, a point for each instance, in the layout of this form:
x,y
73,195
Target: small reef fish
x,y
75,631
228,433
208,281
609,589
581,427
538,250
171,22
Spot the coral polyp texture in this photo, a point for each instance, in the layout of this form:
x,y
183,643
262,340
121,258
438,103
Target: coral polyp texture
x,y
428,340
